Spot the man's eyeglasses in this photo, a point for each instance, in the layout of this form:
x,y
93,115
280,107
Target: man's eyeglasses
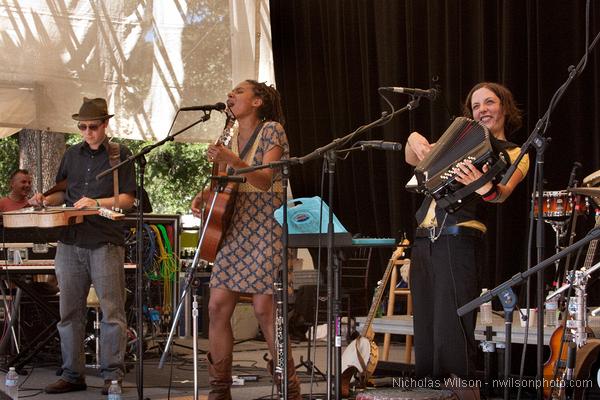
x,y
92,127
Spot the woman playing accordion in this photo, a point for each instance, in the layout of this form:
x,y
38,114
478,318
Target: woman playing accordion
x,y
448,246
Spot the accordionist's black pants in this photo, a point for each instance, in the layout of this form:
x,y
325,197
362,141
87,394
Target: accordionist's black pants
x,y
443,277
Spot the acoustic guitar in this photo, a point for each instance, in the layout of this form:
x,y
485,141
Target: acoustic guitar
x,y
361,356
554,368
218,221
54,216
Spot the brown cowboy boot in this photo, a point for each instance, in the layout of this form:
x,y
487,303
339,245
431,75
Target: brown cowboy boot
x,y
219,374
293,387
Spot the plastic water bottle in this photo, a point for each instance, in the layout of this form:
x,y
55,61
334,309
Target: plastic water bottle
x,y
485,311
11,383
550,314
114,391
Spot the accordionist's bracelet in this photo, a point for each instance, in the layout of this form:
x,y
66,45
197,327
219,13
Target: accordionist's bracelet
x,y
490,194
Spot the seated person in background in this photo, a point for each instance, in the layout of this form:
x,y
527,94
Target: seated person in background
x,y
19,197
20,189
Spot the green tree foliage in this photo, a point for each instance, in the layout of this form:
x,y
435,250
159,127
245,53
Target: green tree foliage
x,y
9,154
174,173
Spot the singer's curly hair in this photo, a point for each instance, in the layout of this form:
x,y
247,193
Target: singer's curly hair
x,y
513,116
271,108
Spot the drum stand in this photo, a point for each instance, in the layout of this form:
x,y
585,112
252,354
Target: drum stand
x,y
559,228
93,303
519,278
577,308
577,305
539,142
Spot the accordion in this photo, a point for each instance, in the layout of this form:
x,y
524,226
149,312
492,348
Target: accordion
x,y
465,139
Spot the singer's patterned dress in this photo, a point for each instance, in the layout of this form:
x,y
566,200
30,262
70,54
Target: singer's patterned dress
x,y
251,251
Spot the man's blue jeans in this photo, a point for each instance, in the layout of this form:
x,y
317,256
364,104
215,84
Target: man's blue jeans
x,y
76,269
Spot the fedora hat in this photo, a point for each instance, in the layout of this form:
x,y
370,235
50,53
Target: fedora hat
x,y
92,109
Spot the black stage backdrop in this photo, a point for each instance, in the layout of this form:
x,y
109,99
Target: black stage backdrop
x,y
331,56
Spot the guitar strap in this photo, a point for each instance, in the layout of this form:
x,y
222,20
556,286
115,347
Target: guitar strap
x,y
248,145
114,157
363,364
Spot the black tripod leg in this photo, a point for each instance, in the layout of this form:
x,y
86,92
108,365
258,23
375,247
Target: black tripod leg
x,y
310,366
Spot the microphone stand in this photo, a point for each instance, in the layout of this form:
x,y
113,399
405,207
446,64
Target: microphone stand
x,y
282,285
577,279
140,159
519,278
333,272
508,299
537,140
222,181
329,153
577,308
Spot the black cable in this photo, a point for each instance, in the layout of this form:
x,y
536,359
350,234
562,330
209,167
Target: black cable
x,y
528,282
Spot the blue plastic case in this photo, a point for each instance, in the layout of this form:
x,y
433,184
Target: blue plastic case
x,y
304,215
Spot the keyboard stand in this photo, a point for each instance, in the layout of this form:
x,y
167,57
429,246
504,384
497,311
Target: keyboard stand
x,y
314,239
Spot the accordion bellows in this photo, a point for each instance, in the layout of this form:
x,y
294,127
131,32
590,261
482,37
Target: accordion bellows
x,y
464,139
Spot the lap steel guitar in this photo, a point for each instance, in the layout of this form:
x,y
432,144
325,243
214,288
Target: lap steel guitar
x,y
54,216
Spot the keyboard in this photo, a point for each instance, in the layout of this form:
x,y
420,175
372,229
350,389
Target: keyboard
x,y
339,240
40,267
374,242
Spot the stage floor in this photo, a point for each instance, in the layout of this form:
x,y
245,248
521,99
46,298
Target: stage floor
x,y
176,380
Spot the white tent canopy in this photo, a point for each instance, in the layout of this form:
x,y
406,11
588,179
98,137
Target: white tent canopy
x,y
147,58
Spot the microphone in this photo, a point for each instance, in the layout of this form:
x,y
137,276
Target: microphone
x,y
379,145
431,94
576,166
206,107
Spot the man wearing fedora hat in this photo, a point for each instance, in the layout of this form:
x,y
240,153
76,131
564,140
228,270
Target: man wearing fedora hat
x,y
91,252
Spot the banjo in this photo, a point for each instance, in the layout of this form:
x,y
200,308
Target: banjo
x,y
361,356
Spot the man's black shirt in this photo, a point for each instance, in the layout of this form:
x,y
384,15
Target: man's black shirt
x,y
80,165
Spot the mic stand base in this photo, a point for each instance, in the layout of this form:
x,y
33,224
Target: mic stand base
x,y
310,366
508,300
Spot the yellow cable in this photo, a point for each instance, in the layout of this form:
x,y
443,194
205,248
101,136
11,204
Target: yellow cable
x,y
164,268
